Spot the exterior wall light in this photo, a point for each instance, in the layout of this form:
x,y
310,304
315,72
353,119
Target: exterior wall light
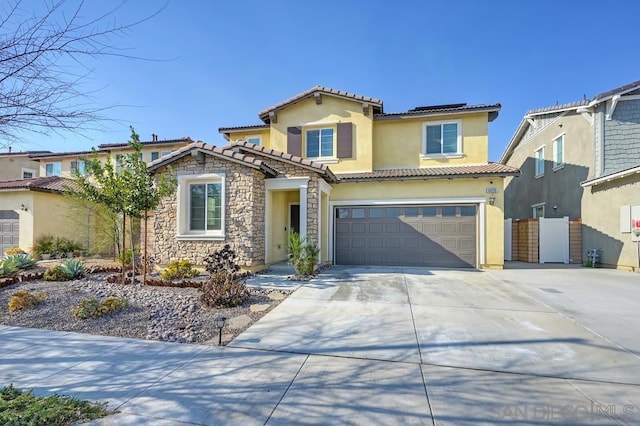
x,y
23,207
218,322
492,199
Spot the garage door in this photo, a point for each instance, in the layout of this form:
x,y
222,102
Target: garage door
x,y
435,236
9,235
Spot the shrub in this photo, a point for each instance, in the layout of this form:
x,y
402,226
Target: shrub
x,y
302,255
93,308
74,269
179,269
56,273
222,260
24,300
22,261
224,289
14,250
44,245
7,267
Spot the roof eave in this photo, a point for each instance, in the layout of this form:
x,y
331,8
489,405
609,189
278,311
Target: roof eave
x,y
396,116
457,176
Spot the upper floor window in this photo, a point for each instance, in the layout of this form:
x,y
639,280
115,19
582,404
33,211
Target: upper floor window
x,y
254,139
155,155
319,143
558,152
28,173
538,210
442,138
78,167
53,169
539,163
165,153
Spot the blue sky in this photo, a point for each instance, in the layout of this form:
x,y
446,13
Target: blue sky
x,y
220,62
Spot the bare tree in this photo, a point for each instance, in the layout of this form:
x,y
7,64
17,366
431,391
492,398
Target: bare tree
x,y
45,58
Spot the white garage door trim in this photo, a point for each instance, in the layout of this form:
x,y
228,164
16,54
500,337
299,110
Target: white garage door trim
x,y
411,201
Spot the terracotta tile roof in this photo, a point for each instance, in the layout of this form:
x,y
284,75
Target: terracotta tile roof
x,y
44,184
186,139
223,152
560,107
241,128
279,155
59,154
480,170
440,110
19,153
264,114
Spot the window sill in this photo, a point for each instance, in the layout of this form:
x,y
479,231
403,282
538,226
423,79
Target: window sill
x,y
200,237
558,167
439,156
539,176
324,160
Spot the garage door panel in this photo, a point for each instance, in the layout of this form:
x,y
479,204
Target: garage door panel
x,y
405,236
9,230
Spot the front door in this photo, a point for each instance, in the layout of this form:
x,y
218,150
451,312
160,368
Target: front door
x,y
294,218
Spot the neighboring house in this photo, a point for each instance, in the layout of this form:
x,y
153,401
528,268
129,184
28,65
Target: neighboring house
x,y
36,206
367,187
65,164
582,160
19,165
31,207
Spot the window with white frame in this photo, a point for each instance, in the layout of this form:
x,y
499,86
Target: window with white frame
x,y
558,152
443,138
28,173
78,167
201,206
53,169
254,139
539,161
319,143
165,153
538,210
155,155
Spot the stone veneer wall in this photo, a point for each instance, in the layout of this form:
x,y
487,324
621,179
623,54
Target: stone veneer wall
x,y
244,215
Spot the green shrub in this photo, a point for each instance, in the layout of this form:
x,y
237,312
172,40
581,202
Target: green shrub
x,y
22,261
74,269
24,300
179,269
44,245
302,255
93,308
23,408
128,256
56,273
7,267
224,289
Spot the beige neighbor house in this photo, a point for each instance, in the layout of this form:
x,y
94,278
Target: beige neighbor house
x,y
31,206
582,160
367,187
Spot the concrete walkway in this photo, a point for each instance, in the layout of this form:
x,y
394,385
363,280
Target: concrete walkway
x,y
371,346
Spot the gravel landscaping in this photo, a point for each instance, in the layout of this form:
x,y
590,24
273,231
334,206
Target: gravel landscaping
x,y
154,313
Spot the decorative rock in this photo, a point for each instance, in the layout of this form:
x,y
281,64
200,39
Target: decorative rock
x,y
259,307
239,322
276,295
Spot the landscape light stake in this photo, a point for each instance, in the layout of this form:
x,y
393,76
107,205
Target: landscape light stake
x,y
218,323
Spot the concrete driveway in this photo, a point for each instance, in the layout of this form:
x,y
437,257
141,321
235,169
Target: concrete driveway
x,y
375,346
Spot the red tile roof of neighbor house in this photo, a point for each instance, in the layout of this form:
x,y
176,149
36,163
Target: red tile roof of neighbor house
x,y
279,155
185,139
43,184
44,155
446,172
376,103
223,152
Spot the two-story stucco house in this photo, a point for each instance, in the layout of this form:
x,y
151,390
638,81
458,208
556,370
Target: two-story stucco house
x,y
367,187
582,160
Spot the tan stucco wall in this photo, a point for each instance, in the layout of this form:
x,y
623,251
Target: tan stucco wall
x,y
439,189
235,136
601,221
398,143
11,166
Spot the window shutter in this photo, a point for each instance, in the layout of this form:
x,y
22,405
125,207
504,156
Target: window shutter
x,y
345,140
294,141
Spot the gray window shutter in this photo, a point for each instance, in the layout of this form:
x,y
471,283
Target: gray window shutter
x,y
294,141
345,140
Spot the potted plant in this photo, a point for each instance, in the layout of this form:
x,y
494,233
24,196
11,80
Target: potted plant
x,y
44,246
